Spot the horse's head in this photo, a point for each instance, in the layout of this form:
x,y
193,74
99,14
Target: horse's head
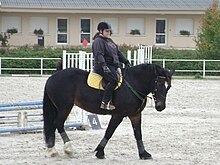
x,y
161,85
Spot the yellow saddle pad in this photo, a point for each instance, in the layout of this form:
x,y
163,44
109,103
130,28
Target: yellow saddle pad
x,y
94,80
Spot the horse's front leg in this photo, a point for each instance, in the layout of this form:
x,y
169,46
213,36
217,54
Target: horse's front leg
x,y
113,124
136,124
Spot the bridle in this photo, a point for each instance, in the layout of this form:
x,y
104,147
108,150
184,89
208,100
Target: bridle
x,y
157,80
141,96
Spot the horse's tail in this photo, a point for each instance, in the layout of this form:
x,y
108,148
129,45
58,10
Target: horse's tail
x,y
49,115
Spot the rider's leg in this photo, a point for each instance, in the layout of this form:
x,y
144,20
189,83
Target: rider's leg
x,y
112,82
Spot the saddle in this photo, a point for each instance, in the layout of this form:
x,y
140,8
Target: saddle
x,y
96,81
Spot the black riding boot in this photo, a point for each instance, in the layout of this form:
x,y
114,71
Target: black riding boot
x,y
107,96
112,82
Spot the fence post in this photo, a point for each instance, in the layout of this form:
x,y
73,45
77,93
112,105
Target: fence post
x,y
82,60
164,63
25,119
140,56
19,124
0,65
129,55
203,68
64,59
135,58
41,66
149,54
22,119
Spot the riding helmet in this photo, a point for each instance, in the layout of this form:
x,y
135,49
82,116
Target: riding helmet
x,y
103,25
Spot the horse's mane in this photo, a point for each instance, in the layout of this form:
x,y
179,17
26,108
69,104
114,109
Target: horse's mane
x,y
150,68
153,69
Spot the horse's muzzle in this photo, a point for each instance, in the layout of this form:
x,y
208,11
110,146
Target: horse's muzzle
x,y
160,106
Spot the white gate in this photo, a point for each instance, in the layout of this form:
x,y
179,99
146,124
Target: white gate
x,y
142,55
84,60
81,60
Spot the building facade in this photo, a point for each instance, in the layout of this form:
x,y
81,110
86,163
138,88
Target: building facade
x,y
66,23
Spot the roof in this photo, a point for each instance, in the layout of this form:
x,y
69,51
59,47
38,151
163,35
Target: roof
x,y
109,4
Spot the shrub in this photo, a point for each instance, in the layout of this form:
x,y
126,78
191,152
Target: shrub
x,y
38,32
12,31
184,32
197,76
135,31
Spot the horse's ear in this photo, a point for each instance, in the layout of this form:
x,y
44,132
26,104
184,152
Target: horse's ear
x,y
171,72
162,71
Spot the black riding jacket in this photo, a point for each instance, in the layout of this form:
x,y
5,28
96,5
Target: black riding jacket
x,y
106,52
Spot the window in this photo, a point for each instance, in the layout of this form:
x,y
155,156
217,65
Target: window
x,y
62,31
85,32
114,24
160,38
38,23
183,24
9,22
135,23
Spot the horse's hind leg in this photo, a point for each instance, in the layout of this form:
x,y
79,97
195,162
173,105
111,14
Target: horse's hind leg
x,y
136,124
59,123
113,124
49,114
51,151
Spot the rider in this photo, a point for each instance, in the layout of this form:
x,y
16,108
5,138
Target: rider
x,y
107,58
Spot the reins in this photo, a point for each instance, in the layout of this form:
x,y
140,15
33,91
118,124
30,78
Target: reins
x,y
141,96
137,94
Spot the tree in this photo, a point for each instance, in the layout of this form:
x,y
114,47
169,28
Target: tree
x,y
208,39
6,35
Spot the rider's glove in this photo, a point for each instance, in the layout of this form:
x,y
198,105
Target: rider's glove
x,y
106,69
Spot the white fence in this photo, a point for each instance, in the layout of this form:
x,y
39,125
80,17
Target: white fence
x,y
84,60
40,69
203,69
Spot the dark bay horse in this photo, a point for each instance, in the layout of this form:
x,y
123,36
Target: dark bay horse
x,y
68,87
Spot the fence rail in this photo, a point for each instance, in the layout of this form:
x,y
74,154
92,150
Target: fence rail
x,y
41,68
203,69
84,60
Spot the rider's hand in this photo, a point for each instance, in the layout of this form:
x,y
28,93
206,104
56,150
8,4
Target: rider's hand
x,y
106,69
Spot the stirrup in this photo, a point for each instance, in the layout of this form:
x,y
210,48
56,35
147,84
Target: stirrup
x,y
108,106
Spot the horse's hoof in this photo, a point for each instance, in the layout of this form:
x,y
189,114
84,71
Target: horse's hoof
x,y
100,155
145,155
100,152
68,148
52,152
